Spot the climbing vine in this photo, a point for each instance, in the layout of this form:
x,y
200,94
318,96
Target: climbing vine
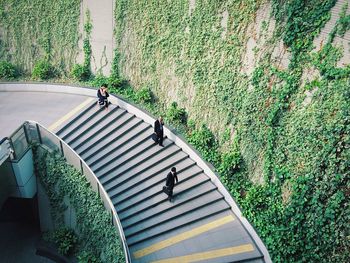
x,y
287,164
278,137
39,29
98,238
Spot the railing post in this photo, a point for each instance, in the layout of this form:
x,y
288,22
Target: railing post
x,y
112,216
81,167
13,149
61,146
26,132
39,135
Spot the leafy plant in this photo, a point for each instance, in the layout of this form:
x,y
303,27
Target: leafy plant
x,y
80,73
39,29
144,95
65,239
43,70
176,114
7,70
96,233
88,257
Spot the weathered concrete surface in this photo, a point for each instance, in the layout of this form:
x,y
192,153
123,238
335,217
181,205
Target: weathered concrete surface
x,y
46,108
102,37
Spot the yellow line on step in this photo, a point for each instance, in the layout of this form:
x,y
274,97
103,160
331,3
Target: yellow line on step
x,y
209,254
70,114
183,236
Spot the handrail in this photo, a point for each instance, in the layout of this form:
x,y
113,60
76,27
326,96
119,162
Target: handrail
x,y
100,187
3,139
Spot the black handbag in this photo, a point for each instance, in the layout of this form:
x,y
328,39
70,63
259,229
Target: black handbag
x,y
154,137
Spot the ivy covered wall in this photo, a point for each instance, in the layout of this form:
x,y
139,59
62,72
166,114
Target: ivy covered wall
x,y
269,79
258,72
39,30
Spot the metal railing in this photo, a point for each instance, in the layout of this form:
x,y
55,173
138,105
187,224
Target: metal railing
x,y
32,131
5,149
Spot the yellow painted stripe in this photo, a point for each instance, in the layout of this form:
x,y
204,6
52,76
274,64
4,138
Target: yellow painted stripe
x,y
70,114
183,236
209,254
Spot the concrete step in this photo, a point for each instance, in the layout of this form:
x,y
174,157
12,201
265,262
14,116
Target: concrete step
x,y
63,130
175,208
138,166
85,123
130,160
163,203
132,180
116,145
93,126
156,193
119,156
105,123
179,223
205,202
92,146
153,184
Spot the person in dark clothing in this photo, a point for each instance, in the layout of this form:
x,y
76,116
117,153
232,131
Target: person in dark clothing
x,y
171,180
103,95
158,130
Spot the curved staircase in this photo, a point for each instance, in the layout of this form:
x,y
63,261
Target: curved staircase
x,y
198,226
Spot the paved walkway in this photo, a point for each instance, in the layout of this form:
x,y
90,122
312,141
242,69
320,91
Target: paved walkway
x,y
45,108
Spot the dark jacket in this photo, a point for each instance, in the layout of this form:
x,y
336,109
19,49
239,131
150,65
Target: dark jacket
x,y
158,128
102,98
170,180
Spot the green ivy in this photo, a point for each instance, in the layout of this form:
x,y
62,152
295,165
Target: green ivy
x,y
43,70
175,114
40,28
7,70
65,239
97,235
83,72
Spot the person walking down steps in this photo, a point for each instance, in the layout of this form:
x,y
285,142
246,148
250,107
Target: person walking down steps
x,y
158,131
170,183
103,95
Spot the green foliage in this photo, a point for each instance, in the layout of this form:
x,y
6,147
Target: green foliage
x,y
80,73
144,95
7,70
86,41
175,114
97,235
204,141
83,72
39,28
279,136
65,239
231,160
88,257
342,25
43,70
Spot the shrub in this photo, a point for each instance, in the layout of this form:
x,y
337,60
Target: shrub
x,y
65,239
231,160
7,70
204,141
176,114
43,70
98,81
88,257
144,95
80,73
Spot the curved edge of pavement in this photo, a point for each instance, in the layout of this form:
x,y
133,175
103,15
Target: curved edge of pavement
x,y
169,132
